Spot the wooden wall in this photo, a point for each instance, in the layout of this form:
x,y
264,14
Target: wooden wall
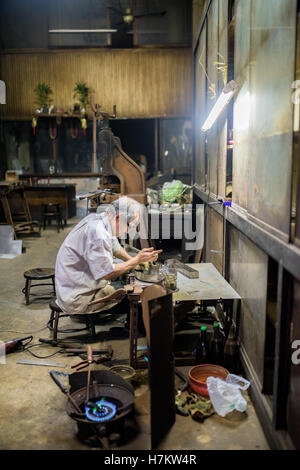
x,y
141,82
199,7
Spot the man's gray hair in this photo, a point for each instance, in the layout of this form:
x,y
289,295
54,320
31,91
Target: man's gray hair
x,y
126,207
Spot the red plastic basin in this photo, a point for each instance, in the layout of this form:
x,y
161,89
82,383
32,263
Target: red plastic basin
x,y
199,374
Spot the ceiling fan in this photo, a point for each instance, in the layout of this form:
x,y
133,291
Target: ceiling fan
x,y
128,16
126,36
124,31
127,21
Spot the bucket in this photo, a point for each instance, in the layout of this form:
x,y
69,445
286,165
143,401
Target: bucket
x,y
199,374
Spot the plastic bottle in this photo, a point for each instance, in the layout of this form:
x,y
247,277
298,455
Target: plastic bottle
x,y
231,352
202,348
217,347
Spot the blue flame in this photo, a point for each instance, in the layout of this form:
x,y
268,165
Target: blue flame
x,y
102,411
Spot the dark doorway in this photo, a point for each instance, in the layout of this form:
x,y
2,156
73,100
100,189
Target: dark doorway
x,y
138,140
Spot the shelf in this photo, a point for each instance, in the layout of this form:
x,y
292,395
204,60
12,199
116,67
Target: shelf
x,y
60,115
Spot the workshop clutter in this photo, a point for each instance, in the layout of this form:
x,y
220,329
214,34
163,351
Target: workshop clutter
x,y
223,395
173,194
212,387
195,405
214,349
188,403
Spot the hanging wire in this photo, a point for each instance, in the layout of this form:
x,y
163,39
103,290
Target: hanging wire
x,y
212,85
223,68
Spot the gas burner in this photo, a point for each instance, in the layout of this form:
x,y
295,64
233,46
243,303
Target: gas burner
x,y
105,414
100,411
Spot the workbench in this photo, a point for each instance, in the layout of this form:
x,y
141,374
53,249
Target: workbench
x,y
210,288
63,194
210,285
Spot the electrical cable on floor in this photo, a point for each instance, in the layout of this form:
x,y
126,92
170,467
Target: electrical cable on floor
x,y
27,348
24,347
41,357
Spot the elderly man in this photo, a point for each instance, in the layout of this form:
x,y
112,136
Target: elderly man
x,y
84,264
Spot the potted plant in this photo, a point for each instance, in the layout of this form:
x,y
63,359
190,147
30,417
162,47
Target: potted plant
x,y
43,92
81,92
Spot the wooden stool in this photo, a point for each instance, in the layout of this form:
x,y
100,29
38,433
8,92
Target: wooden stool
x,y
57,313
38,274
51,211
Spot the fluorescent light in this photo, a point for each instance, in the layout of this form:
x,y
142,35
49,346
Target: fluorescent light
x,y
242,109
220,105
82,31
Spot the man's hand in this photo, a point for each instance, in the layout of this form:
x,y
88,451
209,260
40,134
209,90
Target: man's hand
x,y
147,255
144,256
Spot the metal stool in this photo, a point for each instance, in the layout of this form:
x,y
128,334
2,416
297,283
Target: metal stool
x,y
38,274
51,211
57,313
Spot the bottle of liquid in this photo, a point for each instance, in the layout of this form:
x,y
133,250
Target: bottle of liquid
x,y
217,348
202,348
231,352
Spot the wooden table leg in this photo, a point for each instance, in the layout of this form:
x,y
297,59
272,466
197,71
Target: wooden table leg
x,y
134,298
133,336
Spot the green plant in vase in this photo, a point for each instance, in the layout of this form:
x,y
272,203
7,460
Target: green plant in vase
x,y
81,92
43,98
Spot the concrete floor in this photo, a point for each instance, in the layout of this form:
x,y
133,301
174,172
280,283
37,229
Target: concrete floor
x,y
32,408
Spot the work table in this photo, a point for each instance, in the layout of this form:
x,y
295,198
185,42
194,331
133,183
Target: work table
x,y
210,285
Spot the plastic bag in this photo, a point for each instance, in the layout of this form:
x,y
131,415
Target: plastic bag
x,y
172,191
233,379
152,196
225,395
